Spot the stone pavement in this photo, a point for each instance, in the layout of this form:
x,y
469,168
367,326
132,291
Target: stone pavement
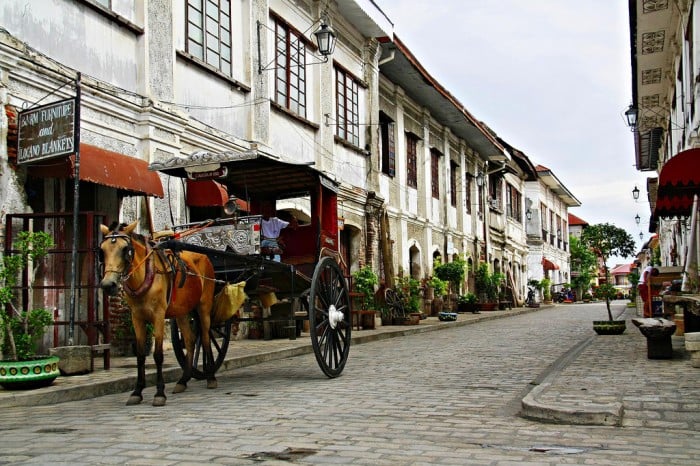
x,y
603,380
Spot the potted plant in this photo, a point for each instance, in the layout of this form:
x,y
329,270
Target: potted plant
x,y
487,287
21,330
451,272
407,294
607,240
467,303
546,289
607,292
363,282
438,289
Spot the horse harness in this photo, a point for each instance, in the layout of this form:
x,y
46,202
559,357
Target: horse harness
x,y
168,257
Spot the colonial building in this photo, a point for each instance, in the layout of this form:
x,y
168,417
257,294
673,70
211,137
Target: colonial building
x,y
665,122
548,228
160,80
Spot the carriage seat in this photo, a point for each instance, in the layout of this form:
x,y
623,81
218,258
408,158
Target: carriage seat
x,y
266,251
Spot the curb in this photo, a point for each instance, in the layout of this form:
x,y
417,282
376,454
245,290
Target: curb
x,y
593,414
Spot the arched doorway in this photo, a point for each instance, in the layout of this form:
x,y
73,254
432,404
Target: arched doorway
x,y
415,270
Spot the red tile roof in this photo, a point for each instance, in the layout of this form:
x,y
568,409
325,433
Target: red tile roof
x,y
574,220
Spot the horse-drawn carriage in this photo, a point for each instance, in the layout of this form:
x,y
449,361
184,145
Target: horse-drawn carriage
x,y
309,279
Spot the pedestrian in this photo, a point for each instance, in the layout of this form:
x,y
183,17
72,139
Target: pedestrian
x,y
644,288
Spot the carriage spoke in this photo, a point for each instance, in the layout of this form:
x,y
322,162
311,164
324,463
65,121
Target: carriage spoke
x,y
330,330
219,337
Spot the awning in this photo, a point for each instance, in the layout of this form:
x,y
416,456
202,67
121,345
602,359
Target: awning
x,y
105,168
549,265
205,193
251,173
679,181
208,193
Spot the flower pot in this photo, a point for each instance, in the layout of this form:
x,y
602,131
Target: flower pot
x,y
486,307
415,318
401,320
609,327
367,319
25,375
447,316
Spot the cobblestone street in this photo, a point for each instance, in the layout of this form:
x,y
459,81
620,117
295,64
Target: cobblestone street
x,y
443,397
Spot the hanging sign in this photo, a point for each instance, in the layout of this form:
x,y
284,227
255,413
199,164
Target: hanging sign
x,y
220,172
46,132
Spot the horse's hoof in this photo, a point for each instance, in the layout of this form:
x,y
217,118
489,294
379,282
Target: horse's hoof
x,y
134,400
212,384
159,401
179,388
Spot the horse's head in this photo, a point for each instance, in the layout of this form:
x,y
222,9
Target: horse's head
x,y
117,254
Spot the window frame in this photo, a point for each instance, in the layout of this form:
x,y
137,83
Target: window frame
x,y
387,129
453,183
208,38
435,172
288,58
468,193
412,160
514,203
347,107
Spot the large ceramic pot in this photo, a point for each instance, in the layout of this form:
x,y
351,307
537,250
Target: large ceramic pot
x,y
609,327
24,375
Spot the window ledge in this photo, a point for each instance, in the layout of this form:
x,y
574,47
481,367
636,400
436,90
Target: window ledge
x,y
138,30
348,145
207,67
294,116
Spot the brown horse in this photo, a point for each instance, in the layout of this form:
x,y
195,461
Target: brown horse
x,y
159,284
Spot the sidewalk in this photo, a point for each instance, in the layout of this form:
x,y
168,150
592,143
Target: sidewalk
x,y
608,380
604,380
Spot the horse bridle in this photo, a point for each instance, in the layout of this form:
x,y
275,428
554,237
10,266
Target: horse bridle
x,y
128,253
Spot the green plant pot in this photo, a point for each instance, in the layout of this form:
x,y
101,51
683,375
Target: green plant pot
x,y
609,327
25,375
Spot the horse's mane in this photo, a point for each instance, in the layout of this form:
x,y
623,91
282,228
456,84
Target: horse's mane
x,y
116,227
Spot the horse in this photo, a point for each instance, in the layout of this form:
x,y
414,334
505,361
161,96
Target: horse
x,y
159,284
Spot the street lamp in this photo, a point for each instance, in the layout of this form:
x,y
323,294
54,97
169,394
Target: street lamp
x,y
641,235
325,37
528,215
637,219
635,193
631,115
480,179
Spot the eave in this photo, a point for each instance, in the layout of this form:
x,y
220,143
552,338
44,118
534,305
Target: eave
x,y
405,71
557,187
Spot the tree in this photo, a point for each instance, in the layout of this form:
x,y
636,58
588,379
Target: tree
x,y
583,264
606,240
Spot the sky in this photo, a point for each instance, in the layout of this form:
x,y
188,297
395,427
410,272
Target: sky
x,y
550,77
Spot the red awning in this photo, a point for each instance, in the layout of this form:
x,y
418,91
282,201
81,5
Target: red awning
x,y
105,168
679,181
208,193
549,265
205,193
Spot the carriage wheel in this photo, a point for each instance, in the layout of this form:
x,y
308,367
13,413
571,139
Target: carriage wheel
x,y
219,334
394,303
329,317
